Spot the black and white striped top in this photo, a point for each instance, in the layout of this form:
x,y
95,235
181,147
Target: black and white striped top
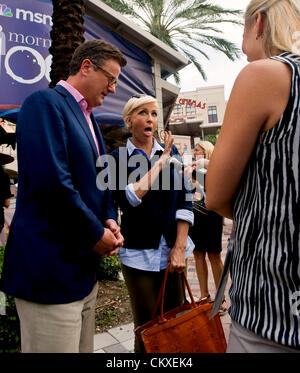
x,y
265,267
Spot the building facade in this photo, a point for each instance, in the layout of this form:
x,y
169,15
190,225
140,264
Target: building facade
x,y
198,113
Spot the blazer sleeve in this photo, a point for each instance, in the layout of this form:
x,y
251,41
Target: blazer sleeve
x,y
43,154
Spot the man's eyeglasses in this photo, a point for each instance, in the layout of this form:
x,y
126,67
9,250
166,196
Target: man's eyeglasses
x,y
112,80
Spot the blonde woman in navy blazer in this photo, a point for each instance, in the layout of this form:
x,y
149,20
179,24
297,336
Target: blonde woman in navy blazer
x,y
156,212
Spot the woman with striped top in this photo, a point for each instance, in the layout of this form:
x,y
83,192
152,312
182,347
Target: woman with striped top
x,y
254,178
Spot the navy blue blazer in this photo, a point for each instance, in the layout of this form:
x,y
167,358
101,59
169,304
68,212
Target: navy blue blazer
x,y
60,212
143,225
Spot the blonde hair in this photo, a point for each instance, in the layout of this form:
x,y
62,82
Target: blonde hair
x,y
207,148
283,23
133,103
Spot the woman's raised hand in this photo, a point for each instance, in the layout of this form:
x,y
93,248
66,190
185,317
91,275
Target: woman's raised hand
x,y
168,141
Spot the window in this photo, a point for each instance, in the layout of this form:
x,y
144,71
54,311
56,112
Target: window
x,y
212,114
190,109
177,110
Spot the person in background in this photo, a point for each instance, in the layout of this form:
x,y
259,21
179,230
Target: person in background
x,y
155,217
253,177
62,222
2,131
8,138
206,232
5,195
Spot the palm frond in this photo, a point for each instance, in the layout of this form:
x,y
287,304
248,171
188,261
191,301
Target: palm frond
x,y
208,10
185,25
195,62
121,6
222,45
176,78
193,46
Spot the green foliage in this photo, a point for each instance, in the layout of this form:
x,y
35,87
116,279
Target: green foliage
x,y
211,138
109,268
105,317
9,323
190,27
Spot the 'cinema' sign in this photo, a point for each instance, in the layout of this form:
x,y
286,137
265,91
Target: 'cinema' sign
x,y
190,102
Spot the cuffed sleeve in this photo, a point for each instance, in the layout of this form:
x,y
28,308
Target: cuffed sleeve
x,y
131,196
185,215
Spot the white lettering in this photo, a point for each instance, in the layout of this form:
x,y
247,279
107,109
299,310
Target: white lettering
x,y
49,18
48,62
296,304
15,37
38,18
106,178
119,363
28,15
175,362
39,59
24,14
29,39
140,171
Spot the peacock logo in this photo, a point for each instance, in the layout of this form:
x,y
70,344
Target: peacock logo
x,y
5,11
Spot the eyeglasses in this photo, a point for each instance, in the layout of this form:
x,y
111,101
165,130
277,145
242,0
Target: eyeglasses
x,y
112,80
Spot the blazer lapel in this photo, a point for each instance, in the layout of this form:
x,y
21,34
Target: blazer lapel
x,y
101,143
76,109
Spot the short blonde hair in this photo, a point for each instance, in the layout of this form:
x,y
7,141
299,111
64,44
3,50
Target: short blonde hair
x,y
207,148
283,22
134,102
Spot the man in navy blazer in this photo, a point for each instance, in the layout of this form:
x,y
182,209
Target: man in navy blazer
x,y
62,220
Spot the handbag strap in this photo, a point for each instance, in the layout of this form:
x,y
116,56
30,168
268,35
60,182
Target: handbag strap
x,y
161,295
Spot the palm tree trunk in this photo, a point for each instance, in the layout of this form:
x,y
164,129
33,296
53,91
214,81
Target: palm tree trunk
x,y
66,34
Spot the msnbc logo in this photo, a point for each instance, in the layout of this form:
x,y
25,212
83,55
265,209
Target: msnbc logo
x,y
5,11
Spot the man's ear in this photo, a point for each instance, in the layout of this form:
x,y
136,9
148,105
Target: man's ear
x,y
86,66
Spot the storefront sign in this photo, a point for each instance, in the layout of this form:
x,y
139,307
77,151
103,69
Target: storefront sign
x,y
190,102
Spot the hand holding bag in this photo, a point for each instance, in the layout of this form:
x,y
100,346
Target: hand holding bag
x,y
185,329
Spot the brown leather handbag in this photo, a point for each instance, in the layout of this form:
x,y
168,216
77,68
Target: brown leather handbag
x,y
185,329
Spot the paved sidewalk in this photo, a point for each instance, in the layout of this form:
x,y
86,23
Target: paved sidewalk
x,y
121,339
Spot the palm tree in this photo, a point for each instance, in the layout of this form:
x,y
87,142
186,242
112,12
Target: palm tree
x,y
188,26
66,34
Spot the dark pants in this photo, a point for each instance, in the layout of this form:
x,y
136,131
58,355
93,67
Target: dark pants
x,y
143,288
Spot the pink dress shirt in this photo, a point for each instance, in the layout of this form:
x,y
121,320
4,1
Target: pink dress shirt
x,y
84,107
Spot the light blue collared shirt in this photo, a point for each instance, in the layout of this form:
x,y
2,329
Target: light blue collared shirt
x,y
152,259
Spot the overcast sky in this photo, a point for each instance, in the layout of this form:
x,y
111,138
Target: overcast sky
x,y
219,69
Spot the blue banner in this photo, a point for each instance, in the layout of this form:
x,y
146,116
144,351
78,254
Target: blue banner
x,y
25,60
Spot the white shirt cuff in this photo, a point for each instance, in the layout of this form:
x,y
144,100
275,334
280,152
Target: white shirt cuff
x,y
131,196
185,215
